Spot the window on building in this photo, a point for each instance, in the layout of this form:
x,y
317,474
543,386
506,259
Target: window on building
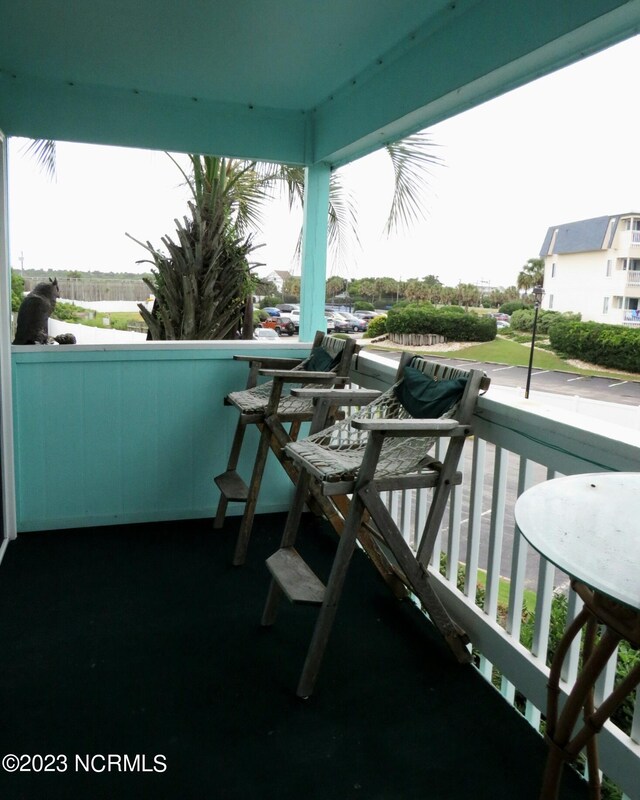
x,y
605,306
609,267
550,301
553,270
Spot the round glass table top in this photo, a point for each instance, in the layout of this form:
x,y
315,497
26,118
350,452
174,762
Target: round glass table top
x,y
589,527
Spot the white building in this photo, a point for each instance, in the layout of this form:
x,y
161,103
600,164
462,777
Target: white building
x,y
593,266
278,278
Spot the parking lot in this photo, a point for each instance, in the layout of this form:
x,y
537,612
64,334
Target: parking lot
x,y
609,390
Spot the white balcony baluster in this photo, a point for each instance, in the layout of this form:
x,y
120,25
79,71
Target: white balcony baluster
x,y
546,449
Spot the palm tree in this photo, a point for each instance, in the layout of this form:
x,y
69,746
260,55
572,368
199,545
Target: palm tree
x,y
532,274
203,287
333,286
228,198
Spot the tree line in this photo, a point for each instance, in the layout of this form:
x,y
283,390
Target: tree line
x,y
379,292
386,291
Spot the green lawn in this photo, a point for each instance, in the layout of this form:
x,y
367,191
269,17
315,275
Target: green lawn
x,y
119,319
504,587
504,351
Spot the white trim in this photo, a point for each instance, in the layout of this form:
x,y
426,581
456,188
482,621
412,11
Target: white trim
x,y
231,345
6,394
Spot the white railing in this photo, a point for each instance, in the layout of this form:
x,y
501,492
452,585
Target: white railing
x,y
633,277
512,450
632,318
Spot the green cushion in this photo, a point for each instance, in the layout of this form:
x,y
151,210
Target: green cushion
x,y
320,360
426,398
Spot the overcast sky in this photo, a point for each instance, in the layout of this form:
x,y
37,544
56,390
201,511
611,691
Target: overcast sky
x,y
560,149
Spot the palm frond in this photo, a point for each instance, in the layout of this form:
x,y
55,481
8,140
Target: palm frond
x,y
44,151
251,191
343,221
412,159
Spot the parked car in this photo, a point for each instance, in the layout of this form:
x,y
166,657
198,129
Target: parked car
x,y
294,316
368,315
501,323
339,323
265,334
273,312
330,324
286,307
281,325
352,323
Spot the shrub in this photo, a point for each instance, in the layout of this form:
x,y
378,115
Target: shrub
x,y
511,306
362,305
406,303
68,312
453,309
17,290
522,320
271,301
259,316
612,346
377,327
452,322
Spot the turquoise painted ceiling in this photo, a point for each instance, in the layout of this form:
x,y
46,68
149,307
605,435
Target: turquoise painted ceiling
x,y
276,53
287,80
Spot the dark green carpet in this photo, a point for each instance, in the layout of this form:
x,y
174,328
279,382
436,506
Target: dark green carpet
x,y
144,640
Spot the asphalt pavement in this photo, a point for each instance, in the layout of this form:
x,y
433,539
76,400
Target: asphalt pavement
x,y
609,390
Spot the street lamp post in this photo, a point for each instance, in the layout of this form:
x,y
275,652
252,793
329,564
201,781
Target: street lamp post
x,y
538,293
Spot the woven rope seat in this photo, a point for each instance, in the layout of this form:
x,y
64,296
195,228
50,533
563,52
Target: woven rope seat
x,y
335,454
254,400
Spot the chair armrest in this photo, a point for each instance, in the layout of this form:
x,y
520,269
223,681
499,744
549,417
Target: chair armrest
x,y
345,397
303,376
413,427
272,361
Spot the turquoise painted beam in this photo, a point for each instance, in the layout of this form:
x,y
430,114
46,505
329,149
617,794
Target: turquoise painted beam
x,y
441,70
101,115
314,250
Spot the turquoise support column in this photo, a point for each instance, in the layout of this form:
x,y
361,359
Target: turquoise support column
x,y
314,250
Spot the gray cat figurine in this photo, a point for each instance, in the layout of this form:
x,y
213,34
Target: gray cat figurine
x,y
34,313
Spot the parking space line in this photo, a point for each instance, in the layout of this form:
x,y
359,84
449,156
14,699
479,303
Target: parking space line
x,y
621,383
501,369
464,521
542,372
579,378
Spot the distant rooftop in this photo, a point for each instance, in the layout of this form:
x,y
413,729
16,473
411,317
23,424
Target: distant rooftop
x,y
582,236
